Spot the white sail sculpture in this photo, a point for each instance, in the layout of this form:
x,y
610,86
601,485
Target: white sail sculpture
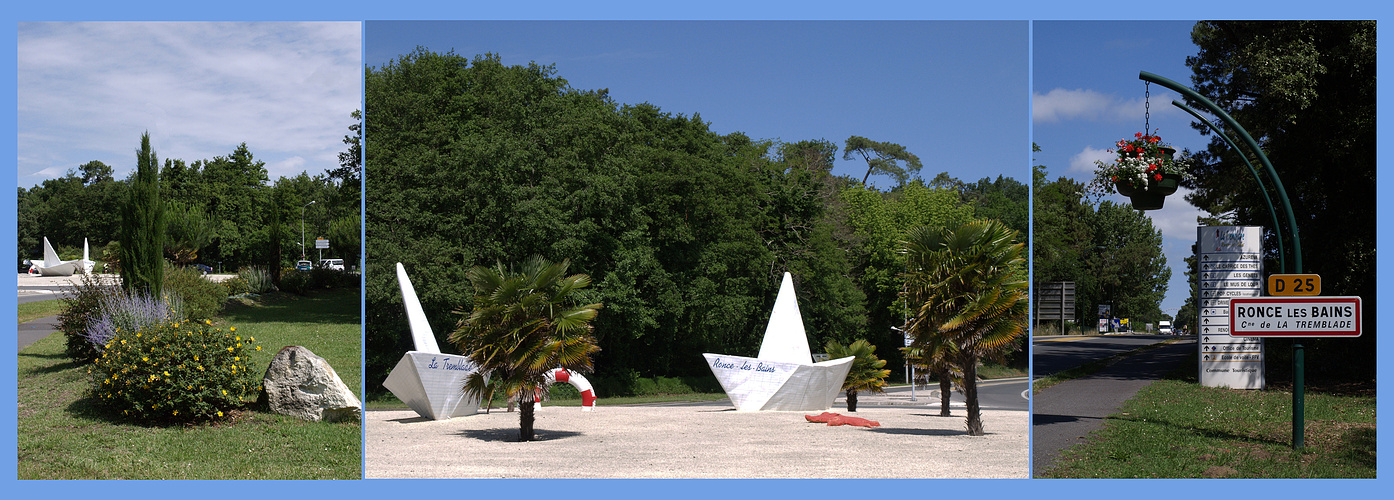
x,y
53,266
433,384
429,382
783,377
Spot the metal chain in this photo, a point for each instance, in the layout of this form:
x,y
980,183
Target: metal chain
x,y
1146,107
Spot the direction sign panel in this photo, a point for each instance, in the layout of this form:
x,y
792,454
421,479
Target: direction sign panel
x,y
1230,268
1294,284
1295,317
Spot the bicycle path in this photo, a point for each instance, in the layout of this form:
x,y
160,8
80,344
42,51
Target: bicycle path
x,y
1065,414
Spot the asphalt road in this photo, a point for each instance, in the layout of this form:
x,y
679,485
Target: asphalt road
x,y
1065,414
1050,355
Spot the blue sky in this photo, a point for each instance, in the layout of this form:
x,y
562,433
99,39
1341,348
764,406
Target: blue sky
x,y
953,93
87,91
713,9
1087,96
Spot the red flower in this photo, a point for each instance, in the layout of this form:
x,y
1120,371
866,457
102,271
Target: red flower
x,y
1157,176
1151,168
1139,134
1114,179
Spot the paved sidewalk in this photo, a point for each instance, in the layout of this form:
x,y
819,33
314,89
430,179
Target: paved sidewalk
x,y
694,442
1065,414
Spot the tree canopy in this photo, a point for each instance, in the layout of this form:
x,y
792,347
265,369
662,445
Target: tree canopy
x,y
685,232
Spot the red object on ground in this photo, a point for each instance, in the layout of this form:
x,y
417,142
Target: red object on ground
x,y
836,419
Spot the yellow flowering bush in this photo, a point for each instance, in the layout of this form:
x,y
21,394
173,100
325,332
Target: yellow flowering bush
x,y
176,373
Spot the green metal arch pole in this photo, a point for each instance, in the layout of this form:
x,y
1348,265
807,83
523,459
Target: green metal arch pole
x,y
1298,396
1282,254
1243,134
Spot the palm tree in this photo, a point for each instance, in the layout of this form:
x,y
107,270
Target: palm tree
x,y
522,325
968,286
937,355
866,373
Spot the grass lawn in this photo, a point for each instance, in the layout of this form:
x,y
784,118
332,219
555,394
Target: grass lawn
x,y
30,311
1176,428
62,436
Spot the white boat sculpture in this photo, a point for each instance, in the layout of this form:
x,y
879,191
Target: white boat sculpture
x,y
432,384
53,266
429,382
783,377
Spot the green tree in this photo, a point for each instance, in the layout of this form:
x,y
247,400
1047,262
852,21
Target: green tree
x,y
522,325
886,158
1306,91
187,230
967,284
866,374
143,226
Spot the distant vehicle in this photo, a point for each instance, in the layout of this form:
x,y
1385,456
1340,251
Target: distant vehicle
x,y
1164,328
203,269
303,265
335,264
25,265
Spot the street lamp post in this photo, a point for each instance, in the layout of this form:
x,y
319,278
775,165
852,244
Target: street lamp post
x,y
302,229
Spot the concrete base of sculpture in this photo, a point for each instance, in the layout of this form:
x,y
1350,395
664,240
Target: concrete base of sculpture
x,y
761,385
433,384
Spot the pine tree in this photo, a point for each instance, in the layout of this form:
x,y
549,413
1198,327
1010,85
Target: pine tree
x,y
143,226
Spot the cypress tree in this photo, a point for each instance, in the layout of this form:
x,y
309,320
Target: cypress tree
x,y
143,226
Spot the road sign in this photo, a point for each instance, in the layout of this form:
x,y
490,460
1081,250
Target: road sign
x,y
1295,317
321,243
1294,284
1230,269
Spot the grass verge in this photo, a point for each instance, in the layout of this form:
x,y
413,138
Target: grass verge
x,y
30,311
1179,429
63,436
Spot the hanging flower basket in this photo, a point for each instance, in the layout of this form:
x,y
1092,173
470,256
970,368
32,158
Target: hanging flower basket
x,y
1145,171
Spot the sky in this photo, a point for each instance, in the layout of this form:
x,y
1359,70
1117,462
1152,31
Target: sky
x,y
1058,150
1086,96
87,91
956,94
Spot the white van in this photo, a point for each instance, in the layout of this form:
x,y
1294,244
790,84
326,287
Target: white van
x,y
1164,327
335,264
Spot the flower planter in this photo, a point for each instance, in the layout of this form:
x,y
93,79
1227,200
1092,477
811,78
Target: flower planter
x,y
1154,195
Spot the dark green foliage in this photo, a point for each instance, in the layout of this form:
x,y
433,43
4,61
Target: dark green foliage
x,y
323,277
176,373
1305,90
202,299
296,281
143,226
82,306
686,232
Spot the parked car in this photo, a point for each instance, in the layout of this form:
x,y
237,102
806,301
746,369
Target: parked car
x,y
303,265
335,264
203,269
24,266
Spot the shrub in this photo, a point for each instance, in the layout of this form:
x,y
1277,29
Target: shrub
x,y
82,307
236,285
296,282
258,279
129,311
176,373
203,299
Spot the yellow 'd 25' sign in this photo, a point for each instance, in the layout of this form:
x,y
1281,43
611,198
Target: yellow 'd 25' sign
x,y
1294,284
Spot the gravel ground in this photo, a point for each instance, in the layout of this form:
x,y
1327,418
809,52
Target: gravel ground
x,y
695,442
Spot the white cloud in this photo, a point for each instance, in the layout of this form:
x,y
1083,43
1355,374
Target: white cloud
x,y
88,90
1177,219
1083,162
1083,104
